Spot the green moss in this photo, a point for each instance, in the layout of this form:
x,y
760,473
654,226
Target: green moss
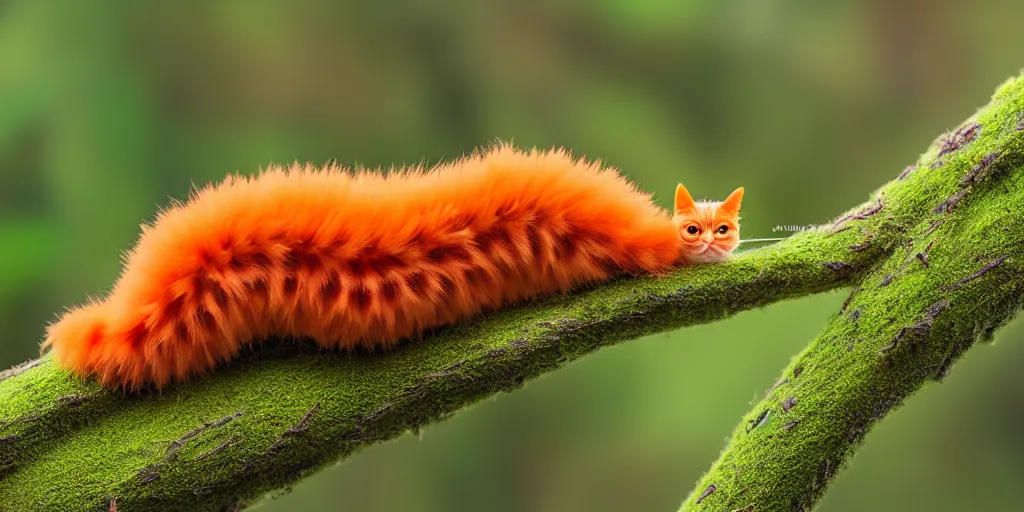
x,y
907,321
239,433
265,420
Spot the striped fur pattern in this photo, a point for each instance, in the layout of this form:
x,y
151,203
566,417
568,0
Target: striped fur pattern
x,y
359,259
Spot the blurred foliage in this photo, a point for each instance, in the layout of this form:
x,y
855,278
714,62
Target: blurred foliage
x,y
108,108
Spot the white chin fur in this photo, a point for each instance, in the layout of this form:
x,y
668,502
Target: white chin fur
x,y
708,256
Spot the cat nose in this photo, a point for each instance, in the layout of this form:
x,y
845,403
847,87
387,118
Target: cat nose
x,y
707,238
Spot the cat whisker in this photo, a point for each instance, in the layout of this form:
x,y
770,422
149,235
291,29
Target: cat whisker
x,y
761,240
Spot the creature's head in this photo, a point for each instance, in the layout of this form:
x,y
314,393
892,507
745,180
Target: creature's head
x,y
709,230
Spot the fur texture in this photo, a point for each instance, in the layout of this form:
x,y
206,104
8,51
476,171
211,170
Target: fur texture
x,y
366,259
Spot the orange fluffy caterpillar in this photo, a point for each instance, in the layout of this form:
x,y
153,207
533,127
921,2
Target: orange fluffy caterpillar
x,y
363,259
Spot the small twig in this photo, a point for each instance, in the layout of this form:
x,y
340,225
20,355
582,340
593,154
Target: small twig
x,y
707,492
861,215
177,444
758,421
303,423
960,138
301,426
978,171
215,449
11,372
991,265
947,205
906,172
923,258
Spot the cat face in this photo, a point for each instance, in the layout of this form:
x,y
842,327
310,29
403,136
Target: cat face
x,y
708,231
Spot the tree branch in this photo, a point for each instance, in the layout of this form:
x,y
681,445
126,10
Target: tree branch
x,y
265,420
953,278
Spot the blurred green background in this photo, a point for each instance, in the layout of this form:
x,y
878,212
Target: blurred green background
x,y
108,109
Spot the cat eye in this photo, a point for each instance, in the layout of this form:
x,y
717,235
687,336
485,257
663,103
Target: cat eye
x,y
723,229
693,230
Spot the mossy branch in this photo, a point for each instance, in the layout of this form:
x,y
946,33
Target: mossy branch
x,y
266,420
955,226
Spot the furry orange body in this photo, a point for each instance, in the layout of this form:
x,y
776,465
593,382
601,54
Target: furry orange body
x,y
359,259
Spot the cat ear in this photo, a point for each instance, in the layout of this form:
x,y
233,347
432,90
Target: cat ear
x,y
731,205
683,199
